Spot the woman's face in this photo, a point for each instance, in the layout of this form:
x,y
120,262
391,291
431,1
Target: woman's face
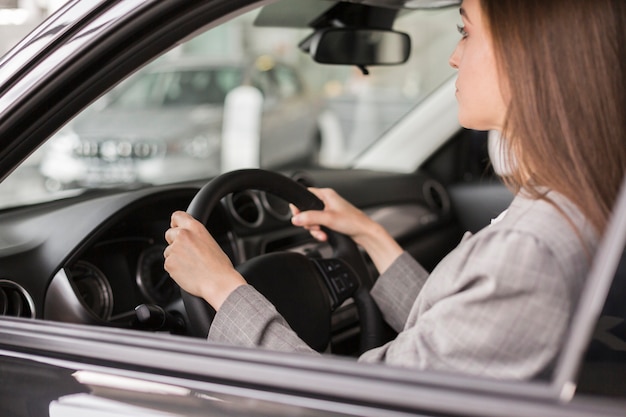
x,y
481,102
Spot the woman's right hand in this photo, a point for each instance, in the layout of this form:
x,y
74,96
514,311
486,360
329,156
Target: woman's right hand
x,y
343,217
338,215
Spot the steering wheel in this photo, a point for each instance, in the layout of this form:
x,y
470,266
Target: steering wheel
x,y
304,290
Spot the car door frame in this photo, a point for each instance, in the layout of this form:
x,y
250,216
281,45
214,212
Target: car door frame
x,y
323,383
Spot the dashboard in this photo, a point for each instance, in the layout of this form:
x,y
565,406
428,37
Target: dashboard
x,y
97,258
118,279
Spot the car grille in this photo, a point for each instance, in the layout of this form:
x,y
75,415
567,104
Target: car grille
x,y
113,150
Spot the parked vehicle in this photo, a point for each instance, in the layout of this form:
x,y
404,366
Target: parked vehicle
x,y
166,124
90,323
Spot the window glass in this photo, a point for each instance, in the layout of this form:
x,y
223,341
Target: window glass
x,y
288,83
167,122
143,92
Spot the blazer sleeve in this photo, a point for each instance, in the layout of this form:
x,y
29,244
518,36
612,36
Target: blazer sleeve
x,y
248,319
498,307
397,288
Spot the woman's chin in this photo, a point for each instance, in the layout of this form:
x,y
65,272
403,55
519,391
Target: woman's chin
x,y
473,121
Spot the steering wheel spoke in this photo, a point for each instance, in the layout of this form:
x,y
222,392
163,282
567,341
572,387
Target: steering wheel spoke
x,y
340,279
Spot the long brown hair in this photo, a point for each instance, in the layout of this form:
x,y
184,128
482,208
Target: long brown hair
x,y
563,62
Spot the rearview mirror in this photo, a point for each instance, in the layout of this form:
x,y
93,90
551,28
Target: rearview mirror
x,y
361,47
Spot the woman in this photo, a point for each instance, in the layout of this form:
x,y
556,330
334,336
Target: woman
x,y
549,76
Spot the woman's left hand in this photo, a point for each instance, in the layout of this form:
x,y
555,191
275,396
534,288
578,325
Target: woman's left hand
x,y
197,263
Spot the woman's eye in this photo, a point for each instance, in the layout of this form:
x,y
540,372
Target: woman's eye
x,y
461,30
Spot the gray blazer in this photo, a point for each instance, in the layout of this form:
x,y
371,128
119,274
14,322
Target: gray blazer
x,y
498,305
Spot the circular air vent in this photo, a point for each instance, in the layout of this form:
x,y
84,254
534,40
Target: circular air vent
x,y
436,196
93,287
246,208
15,300
276,206
303,178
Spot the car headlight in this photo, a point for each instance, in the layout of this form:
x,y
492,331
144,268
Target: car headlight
x,y
108,150
86,148
63,142
145,150
201,146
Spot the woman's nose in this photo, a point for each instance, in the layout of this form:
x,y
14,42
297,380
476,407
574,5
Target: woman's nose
x,y
454,58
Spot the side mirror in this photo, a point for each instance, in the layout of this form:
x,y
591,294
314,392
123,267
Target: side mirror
x,y
361,47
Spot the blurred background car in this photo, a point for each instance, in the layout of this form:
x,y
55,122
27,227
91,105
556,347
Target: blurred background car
x,y
167,123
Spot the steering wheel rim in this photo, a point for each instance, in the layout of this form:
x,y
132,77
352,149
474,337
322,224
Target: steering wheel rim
x,y
200,313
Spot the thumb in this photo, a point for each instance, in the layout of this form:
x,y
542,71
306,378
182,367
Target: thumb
x,y
309,218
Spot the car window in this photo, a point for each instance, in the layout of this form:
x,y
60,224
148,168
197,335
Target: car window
x,y
172,110
604,366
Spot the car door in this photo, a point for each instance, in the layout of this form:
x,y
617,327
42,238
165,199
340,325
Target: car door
x,y
60,370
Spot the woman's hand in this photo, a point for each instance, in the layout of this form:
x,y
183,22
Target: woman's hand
x,y
341,216
197,263
338,215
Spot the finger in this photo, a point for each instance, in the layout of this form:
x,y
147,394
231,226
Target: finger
x,y
319,235
310,218
184,220
294,210
322,193
176,218
167,259
318,192
170,235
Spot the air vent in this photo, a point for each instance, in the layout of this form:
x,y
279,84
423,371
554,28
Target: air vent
x,y
303,178
246,208
436,196
15,301
276,206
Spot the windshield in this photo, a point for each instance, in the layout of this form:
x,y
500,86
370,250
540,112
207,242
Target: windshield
x,y
176,87
236,96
